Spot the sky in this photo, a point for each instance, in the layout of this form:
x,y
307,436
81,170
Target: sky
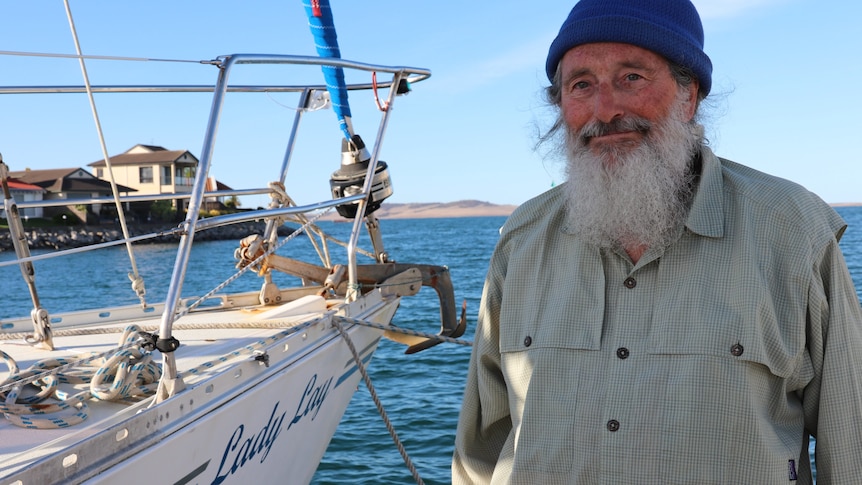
x,y
784,97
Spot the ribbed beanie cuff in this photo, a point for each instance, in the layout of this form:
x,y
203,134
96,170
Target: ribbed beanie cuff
x,y
671,28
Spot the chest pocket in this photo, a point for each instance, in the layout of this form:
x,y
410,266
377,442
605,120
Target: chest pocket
x,y
553,306
567,316
744,324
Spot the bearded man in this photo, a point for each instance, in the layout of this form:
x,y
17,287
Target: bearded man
x,y
666,316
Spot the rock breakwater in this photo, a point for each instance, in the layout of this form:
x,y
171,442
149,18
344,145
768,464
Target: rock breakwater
x,y
78,236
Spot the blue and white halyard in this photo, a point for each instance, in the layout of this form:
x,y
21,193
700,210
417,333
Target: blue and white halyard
x,y
229,387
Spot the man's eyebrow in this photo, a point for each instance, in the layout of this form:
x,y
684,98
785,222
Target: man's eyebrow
x,y
628,64
634,64
576,73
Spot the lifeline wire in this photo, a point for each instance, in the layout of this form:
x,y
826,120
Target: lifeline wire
x,y
104,58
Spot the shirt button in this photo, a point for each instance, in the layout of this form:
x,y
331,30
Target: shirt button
x,y
528,341
623,353
736,350
613,425
630,282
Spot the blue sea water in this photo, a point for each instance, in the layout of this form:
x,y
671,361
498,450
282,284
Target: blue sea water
x,y
421,393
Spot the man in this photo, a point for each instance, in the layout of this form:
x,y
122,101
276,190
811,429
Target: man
x,y
666,316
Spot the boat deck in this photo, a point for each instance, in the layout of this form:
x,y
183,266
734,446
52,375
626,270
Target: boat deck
x,y
209,344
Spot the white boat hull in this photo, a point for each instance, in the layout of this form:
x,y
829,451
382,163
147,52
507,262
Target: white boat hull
x,y
245,423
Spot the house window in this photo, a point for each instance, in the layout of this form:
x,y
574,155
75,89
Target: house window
x,y
100,172
166,175
185,175
145,175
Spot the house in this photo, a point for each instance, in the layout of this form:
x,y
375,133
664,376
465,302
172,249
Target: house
x,y
143,169
23,192
70,183
152,169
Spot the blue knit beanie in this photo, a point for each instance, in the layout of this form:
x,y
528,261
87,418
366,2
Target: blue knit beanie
x,y
671,28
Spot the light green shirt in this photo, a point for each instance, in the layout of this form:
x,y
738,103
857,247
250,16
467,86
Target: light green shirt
x,y
708,363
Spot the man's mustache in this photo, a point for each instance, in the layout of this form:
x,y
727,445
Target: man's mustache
x,y
621,125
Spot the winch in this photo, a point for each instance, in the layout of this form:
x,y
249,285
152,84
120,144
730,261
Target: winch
x,y
350,177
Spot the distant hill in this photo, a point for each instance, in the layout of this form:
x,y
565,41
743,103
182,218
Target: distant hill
x,y
461,208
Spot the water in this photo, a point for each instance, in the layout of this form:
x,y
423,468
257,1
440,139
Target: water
x,y
421,392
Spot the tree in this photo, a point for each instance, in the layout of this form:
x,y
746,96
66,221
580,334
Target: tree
x,y
232,202
162,210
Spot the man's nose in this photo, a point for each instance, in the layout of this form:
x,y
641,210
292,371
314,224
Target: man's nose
x,y
607,103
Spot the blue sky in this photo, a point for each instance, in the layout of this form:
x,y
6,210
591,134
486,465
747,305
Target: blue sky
x,y
784,95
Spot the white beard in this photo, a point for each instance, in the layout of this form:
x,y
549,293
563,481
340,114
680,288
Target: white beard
x,y
633,197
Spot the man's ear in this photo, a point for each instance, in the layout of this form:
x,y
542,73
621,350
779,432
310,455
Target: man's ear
x,y
693,90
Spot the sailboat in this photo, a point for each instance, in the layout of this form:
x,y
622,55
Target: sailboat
x,y
227,387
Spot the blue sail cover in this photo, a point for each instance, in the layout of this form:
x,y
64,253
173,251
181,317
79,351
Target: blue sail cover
x,y
326,42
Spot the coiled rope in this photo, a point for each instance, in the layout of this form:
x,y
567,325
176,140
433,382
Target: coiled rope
x,y
128,368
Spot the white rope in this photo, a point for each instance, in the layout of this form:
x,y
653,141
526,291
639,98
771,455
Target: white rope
x,y
358,360
65,364
134,276
129,369
131,372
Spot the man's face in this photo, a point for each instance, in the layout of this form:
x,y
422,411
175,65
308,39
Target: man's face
x,y
617,92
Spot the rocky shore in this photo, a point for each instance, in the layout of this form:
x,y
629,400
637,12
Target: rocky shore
x,y
77,236
62,237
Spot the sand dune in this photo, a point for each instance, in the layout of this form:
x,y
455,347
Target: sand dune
x,y
461,208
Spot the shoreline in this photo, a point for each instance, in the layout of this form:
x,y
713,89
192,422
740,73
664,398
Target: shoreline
x,y
68,237
65,237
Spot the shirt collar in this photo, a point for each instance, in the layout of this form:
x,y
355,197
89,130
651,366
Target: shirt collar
x,y
706,217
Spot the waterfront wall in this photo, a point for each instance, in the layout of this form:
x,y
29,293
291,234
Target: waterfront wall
x,y
77,236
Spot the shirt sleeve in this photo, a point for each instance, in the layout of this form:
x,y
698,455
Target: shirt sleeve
x,y
832,401
485,423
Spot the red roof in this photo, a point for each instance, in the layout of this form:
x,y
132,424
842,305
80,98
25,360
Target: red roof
x,y
16,185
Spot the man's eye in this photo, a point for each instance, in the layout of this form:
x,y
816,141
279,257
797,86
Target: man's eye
x,y
633,77
580,85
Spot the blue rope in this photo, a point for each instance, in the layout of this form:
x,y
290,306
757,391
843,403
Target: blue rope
x,y
326,43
